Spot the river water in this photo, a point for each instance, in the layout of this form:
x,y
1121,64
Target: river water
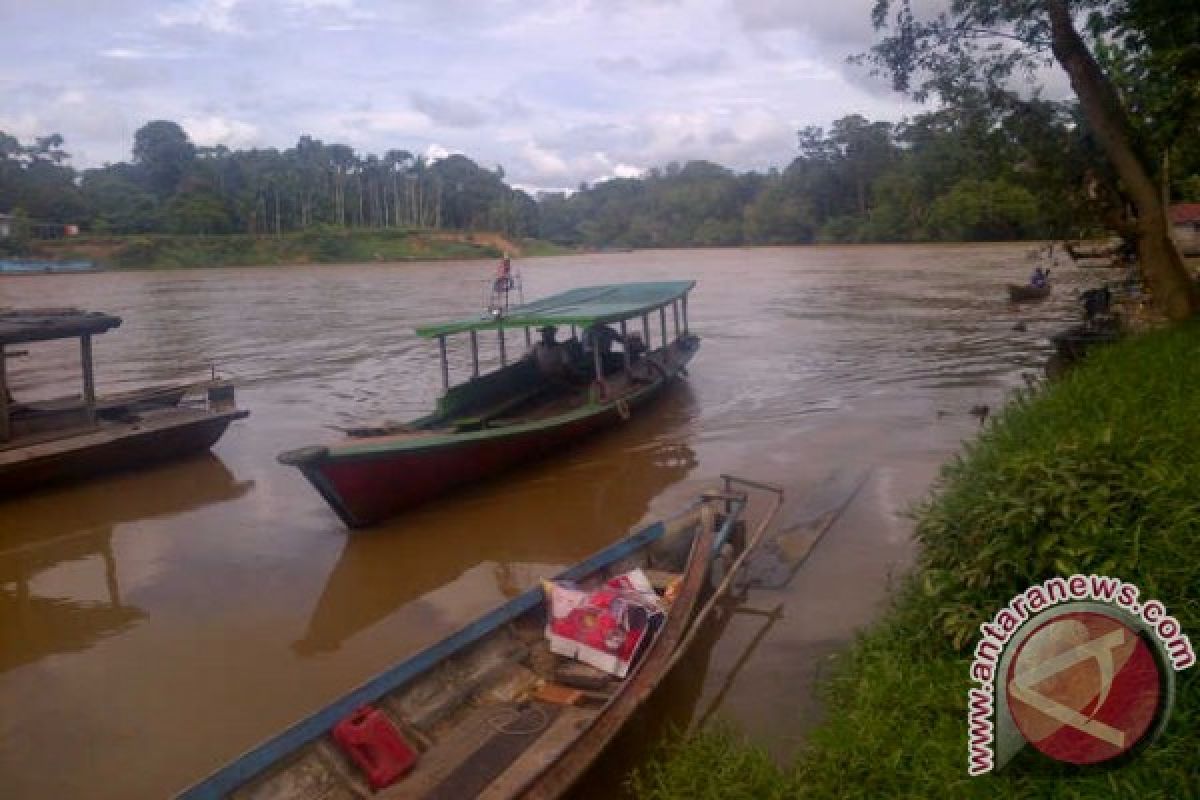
x,y
154,625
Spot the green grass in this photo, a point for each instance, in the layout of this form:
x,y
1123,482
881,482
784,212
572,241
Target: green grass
x,y
541,247
325,246
1098,473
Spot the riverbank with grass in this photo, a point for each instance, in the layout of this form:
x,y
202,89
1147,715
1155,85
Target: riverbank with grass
x,y
318,246
1096,473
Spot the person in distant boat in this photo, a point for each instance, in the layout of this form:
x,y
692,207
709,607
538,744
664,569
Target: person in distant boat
x,y
1040,278
601,337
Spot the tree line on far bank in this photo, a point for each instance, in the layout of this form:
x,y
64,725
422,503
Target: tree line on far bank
x,y
173,186
979,170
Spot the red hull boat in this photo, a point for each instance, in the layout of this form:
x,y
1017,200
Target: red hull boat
x,y
513,415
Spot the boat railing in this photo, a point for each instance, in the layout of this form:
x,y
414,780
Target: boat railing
x,y
681,329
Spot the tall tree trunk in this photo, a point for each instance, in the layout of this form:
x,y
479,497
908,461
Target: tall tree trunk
x,y
1161,262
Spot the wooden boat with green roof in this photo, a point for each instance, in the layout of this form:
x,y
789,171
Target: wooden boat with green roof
x,y
556,393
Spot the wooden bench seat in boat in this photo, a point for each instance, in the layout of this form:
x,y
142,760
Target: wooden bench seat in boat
x,y
481,420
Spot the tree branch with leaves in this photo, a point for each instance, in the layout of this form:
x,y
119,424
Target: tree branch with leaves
x,y
979,45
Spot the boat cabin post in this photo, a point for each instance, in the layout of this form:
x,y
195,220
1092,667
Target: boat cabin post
x,y
625,345
662,321
89,376
598,360
685,318
445,364
675,316
503,354
474,354
646,330
528,339
4,424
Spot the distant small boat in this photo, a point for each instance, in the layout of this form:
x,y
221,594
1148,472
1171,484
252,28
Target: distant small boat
x,y
22,266
1026,293
518,412
492,710
48,441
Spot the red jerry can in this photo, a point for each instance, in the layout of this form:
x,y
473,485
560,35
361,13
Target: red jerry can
x,y
371,740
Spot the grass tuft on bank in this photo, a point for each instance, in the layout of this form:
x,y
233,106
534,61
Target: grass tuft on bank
x,y
1099,472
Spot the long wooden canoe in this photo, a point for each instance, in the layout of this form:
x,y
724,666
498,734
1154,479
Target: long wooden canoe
x,y
509,416
473,704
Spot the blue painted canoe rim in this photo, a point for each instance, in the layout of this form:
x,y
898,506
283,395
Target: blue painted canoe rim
x,y
247,766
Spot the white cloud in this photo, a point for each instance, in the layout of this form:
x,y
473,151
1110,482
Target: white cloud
x,y
214,130
451,111
544,162
557,91
435,152
213,15
124,53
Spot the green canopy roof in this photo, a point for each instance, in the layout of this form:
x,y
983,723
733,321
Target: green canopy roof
x,y
589,305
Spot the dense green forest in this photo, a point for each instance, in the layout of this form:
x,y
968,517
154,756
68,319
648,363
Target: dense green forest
x,y
173,186
980,170
987,168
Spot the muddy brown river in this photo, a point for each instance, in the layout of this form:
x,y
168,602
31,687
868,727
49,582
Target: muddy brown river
x,y
155,624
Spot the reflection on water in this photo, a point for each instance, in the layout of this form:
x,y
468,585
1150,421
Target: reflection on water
x,y
224,591
32,627
59,578
376,573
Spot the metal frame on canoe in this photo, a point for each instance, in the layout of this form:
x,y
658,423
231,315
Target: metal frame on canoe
x,y
552,775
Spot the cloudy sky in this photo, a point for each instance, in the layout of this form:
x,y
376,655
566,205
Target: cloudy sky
x,y
555,91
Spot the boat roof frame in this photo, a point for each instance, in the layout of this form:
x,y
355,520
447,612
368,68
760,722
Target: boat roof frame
x,y
47,324
584,307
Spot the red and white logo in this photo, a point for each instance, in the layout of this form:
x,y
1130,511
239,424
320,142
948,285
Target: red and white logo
x,y
1084,687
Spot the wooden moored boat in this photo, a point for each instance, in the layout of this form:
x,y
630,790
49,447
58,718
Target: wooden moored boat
x,y
53,440
1026,293
475,704
520,411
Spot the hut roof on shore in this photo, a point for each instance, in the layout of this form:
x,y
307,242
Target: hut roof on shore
x,y
1184,212
43,324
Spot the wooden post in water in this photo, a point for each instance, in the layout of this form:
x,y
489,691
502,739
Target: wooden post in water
x,y
89,376
5,431
474,354
503,354
625,346
445,364
662,321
